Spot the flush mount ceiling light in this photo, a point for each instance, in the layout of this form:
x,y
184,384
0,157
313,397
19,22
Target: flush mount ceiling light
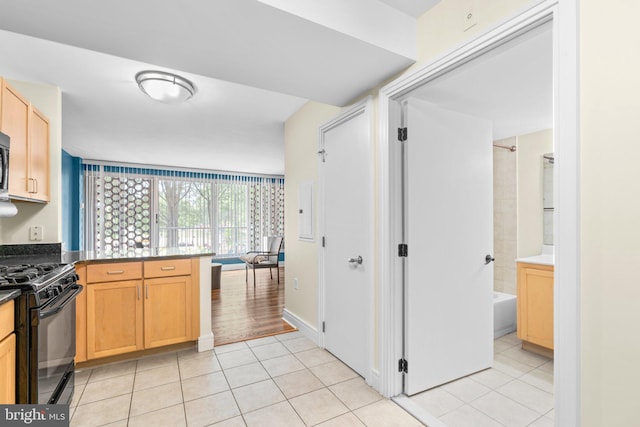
x,y
165,87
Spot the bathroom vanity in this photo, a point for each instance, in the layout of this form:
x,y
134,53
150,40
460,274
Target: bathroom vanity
x,y
535,303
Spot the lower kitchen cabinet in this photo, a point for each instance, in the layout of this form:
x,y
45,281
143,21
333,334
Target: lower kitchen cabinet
x,y
7,354
8,370
114,318
535,305
133,306
167,311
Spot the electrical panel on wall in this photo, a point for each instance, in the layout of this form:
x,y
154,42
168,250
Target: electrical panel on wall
x,y
305,210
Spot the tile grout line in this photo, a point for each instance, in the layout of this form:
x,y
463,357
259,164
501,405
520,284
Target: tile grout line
x,y
184,407
133,386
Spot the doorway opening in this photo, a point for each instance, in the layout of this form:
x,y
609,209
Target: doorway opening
x,y
430,84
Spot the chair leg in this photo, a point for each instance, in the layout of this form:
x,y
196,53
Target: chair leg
x,y
271,273
246,274
254,277
278,272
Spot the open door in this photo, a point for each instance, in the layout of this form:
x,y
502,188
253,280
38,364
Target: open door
x,y
449,214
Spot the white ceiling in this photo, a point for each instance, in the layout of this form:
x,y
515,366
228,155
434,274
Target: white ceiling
x,y
512,86
254,63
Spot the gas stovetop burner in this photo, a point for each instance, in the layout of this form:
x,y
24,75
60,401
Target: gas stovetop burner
x,y
6,270
47,267
34,276
17,274
23,276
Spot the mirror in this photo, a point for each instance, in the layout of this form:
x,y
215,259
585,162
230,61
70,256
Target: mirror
x,y
547,198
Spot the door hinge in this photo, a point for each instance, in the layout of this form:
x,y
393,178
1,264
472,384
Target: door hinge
x,y
403,250
323,329
403,366
402,134
323,241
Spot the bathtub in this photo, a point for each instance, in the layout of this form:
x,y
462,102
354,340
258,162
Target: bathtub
x,y
504,314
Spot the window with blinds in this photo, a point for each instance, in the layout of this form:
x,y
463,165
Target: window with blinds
x,y
128,207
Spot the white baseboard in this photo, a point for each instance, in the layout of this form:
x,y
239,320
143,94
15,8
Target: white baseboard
x,y
227,267
306,329
238,266
205,342
374,379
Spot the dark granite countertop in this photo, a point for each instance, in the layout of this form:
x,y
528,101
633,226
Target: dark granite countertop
x,y
135,255
8,295
30,253
42,253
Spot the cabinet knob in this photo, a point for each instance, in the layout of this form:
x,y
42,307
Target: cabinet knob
x,y
488,259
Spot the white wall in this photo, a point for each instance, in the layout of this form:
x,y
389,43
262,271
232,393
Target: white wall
x,y
15,230
531,147
610,212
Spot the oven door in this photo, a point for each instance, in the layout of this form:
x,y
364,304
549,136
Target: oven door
x,y
56,350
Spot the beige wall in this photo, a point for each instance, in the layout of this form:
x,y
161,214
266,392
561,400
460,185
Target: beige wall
x,y
441,28
610,212
505,222
301,164
531,147
47,99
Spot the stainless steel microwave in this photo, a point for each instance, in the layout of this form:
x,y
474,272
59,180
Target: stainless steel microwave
x,y
6,207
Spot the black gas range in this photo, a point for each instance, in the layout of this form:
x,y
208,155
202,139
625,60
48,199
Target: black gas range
x,y
45,329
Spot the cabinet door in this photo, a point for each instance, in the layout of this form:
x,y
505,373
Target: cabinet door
x,y
535,295
114,318
38,156
167,311
8,370
14,122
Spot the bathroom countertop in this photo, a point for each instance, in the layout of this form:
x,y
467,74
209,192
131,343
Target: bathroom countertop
x,y
544,259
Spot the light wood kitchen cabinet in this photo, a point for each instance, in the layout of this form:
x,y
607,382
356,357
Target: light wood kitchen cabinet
x,y
14,122
167,311
167,304
535,305
29,151
132,306
7,354
114,318
38,164
114,309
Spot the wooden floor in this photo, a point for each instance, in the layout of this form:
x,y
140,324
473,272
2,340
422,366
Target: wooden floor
x,y
240,312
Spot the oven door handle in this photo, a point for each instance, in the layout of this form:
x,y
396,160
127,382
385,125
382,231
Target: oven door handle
x,y
70,294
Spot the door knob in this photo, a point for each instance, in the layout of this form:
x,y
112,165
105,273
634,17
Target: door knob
x,y
355,260
488,259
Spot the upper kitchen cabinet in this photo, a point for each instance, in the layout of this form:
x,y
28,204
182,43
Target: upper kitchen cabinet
x,y
29,151
38,165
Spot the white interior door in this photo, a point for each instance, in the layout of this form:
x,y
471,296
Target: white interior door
x,y
449,214
347,254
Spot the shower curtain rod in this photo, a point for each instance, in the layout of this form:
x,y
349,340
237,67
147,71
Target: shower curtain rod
x,y
512,148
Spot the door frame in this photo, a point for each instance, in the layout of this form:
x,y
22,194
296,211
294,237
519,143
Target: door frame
x,y
564,17
364,107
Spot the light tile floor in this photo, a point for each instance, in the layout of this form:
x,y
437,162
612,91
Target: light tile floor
x,y
517,391
284,380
